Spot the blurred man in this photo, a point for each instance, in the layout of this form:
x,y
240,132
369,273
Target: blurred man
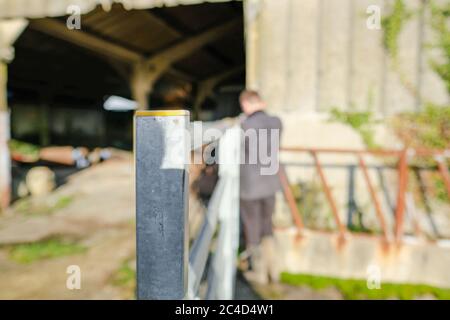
x,y
258,184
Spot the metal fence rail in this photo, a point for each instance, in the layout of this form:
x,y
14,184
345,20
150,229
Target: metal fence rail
x,y
223,208
403,157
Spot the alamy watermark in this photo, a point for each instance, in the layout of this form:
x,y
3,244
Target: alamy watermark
x,y
373,277
73,281
373,22
73,22
258,147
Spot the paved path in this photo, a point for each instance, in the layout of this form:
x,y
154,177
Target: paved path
x,y
100,216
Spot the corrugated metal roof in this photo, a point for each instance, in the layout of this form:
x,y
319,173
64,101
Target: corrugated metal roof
x,y
55,8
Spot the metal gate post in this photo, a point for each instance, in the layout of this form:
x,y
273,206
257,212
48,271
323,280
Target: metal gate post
x,y
161,161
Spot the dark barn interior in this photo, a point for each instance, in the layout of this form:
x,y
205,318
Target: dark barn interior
x,y
60,78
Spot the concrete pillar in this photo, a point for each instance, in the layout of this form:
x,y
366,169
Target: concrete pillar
x,y
303,53
367,59
273,52
140,92
401,91
334,55
252,9
9,31
5,165
141,83
432,88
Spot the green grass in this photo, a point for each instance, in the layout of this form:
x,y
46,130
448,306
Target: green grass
x,y
125,279
125,276
357,289
62,203
46,249
28,207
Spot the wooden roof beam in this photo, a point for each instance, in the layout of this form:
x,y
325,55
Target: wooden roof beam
x,y
185,48
206,86
175,27
144,71
83,39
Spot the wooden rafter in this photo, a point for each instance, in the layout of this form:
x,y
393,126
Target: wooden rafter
x,y
145,70
83,39
206,86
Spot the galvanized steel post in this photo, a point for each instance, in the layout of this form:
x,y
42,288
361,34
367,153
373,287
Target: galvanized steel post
x,y
161,155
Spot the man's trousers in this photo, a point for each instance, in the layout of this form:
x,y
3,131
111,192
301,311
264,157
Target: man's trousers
x,y
257,219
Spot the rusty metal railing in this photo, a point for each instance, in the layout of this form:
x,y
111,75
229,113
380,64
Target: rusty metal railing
x,y
403,159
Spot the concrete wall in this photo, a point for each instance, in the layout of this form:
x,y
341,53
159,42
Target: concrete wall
x,y
309,56
319,254
312,55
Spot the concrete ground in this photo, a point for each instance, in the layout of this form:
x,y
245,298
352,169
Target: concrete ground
x,y
98,213
248,290
100,216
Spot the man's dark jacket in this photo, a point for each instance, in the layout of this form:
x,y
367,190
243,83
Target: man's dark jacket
x,y
253,184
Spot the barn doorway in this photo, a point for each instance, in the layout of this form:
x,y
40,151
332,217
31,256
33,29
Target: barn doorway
x,y
60,78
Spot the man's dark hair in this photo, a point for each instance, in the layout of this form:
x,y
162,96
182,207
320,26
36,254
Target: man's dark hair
x,y
250,96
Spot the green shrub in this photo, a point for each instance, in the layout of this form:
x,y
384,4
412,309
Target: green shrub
x,y
25,149
440,15
429,128
392,25
361,121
